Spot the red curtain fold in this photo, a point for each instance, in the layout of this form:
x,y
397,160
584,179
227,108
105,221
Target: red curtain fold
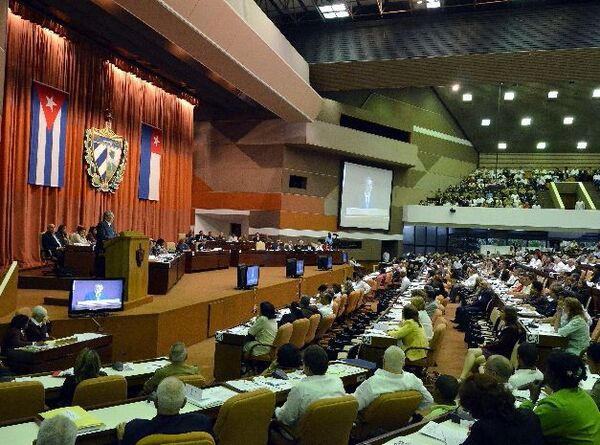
x,y
93,84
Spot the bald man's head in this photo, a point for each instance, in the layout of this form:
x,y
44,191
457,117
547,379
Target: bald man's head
x,y
499,367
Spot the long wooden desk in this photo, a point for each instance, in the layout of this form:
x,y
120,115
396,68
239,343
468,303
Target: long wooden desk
x,y
278,258
203,261
136,374
212,399
32,360
163,275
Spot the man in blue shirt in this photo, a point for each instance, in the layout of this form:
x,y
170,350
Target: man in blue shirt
x,y
170,398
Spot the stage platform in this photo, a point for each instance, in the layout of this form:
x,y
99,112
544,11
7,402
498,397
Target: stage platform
x,y
192,311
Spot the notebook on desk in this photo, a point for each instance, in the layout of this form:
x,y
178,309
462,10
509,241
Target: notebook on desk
x,y
84,421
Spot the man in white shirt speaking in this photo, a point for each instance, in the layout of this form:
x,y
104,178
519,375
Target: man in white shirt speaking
x,y
315,386
391,378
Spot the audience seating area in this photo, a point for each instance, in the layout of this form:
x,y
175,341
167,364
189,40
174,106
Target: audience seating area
x,y
506,188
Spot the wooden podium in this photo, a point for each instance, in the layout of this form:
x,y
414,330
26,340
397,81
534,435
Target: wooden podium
x,y
127,257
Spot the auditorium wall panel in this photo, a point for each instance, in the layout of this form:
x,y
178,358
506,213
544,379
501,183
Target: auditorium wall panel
x,y
94,84
539,160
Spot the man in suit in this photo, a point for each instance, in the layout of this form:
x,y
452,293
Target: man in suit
x,y
39,326
105,231
97,294
52,246
170,399
367,202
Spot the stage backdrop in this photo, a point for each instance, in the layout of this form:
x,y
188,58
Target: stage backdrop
x,y
94,83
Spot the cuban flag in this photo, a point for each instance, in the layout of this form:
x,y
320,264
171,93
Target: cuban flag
x,y
151,146
48,135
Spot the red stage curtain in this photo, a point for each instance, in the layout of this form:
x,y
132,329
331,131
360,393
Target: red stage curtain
x,y
93,84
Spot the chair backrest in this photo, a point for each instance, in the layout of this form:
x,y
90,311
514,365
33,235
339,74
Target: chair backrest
x,y
327,422
352,302
596,333
100,390
21,399
513,356
312,328
494,316
196,380
194,438
436,344
324,326
389,412
245,418
171,245
300,327
343,304
284,333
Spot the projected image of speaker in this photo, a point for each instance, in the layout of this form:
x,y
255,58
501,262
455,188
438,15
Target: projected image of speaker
x,y
324,262
247,276
294,268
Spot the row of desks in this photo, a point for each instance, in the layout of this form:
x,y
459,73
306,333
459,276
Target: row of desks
x,y
165,272
212,399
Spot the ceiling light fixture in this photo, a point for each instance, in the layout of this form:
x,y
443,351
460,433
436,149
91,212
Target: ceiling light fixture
x,y
486,122
526,121
552,94
335,11
467,97
433,4
509,95
541,145
568,120
502,145
596,93
581,145
456,87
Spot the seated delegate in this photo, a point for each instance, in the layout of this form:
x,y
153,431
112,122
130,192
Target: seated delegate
x,y
391,378
177,356
315,386
568,414
593,360
288,359
498,422
576,330
87,366
526,371
411,333
262,332
445,391
169,400
15,336
39,326
58,430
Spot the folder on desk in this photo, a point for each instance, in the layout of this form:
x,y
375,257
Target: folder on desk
x,y
84,421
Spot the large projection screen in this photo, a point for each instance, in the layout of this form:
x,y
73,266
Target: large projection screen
x,y
366,196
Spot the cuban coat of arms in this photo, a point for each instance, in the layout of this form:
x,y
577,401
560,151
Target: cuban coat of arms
x,y
106,155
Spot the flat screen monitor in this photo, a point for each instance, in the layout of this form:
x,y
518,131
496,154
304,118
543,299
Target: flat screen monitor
x,y
299,268
324,262
95,296
247,276
366,197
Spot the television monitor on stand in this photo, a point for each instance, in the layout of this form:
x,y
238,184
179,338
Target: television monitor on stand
x,y
324,262
294,268
96,298
247,276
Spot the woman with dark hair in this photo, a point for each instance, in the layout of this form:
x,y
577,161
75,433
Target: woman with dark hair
x,y
15,336
497,420
508,336
288,359
262,333
91,234
412,334
62,235
568,415
576,330
87,366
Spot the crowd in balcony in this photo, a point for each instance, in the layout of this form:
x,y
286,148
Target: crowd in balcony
x,y
506,188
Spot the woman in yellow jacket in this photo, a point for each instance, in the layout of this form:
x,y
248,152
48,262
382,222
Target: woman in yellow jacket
x,y
411,333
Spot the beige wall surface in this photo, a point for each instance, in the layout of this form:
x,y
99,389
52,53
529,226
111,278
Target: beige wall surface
x,y
539,160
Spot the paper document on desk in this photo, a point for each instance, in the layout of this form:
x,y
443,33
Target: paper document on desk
x,y
194,395
449,435
243,385
273,384
84,421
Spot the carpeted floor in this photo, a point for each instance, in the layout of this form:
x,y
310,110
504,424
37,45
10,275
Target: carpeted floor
x,y
450,360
